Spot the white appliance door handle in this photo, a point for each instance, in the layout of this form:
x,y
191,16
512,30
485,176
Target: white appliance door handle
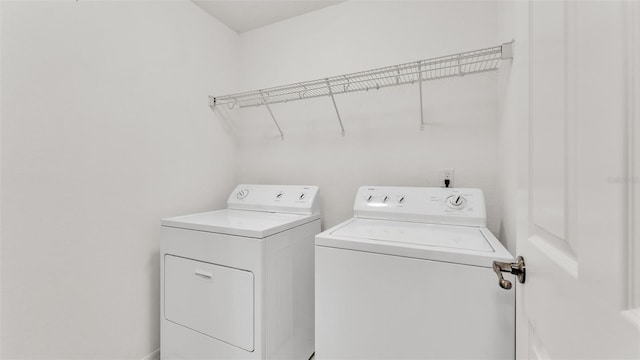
x,y
203,274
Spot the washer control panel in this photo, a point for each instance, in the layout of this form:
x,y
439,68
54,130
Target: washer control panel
x,y
294,199
454,206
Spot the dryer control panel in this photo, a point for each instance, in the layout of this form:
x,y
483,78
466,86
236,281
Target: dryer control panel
x,y
293,199
453,206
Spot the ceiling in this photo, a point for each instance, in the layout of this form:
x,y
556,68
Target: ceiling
x,y
244,15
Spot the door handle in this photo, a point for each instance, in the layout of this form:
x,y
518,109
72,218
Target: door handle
x,y
203,274
517,268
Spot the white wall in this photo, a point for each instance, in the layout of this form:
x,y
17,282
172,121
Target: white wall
x,y
383,144
513,97
514,121
105,130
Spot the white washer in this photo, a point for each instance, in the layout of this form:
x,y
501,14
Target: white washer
x,y
410,277
238,283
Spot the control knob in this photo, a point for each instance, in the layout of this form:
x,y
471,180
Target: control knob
x,y
242,194
456,201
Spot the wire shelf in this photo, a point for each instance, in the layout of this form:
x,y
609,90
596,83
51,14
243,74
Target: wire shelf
x,y
466,63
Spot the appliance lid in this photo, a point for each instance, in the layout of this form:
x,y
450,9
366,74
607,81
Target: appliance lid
x,y
446,236
254,224
465,245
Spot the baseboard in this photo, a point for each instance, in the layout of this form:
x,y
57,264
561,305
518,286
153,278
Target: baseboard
x,y
155,355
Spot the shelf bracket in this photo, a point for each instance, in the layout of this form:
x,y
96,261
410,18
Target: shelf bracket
x,y
335,106
266,104
212,102
420,87
506,51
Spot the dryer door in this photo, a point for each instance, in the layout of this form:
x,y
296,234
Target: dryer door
x,y
214,300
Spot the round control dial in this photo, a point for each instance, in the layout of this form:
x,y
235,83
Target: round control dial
x,y
242,194
456,201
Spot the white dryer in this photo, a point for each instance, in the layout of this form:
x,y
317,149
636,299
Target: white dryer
x,y
238,283
410,277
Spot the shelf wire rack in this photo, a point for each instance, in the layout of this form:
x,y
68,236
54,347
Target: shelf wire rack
x,y
461,64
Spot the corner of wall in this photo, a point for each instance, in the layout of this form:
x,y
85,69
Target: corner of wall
x,y
154,355
1,32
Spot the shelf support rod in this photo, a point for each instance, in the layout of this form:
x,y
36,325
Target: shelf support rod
x,y
266,104
420,86
335,106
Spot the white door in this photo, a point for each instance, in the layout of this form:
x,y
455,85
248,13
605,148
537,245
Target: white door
x,y
581,191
